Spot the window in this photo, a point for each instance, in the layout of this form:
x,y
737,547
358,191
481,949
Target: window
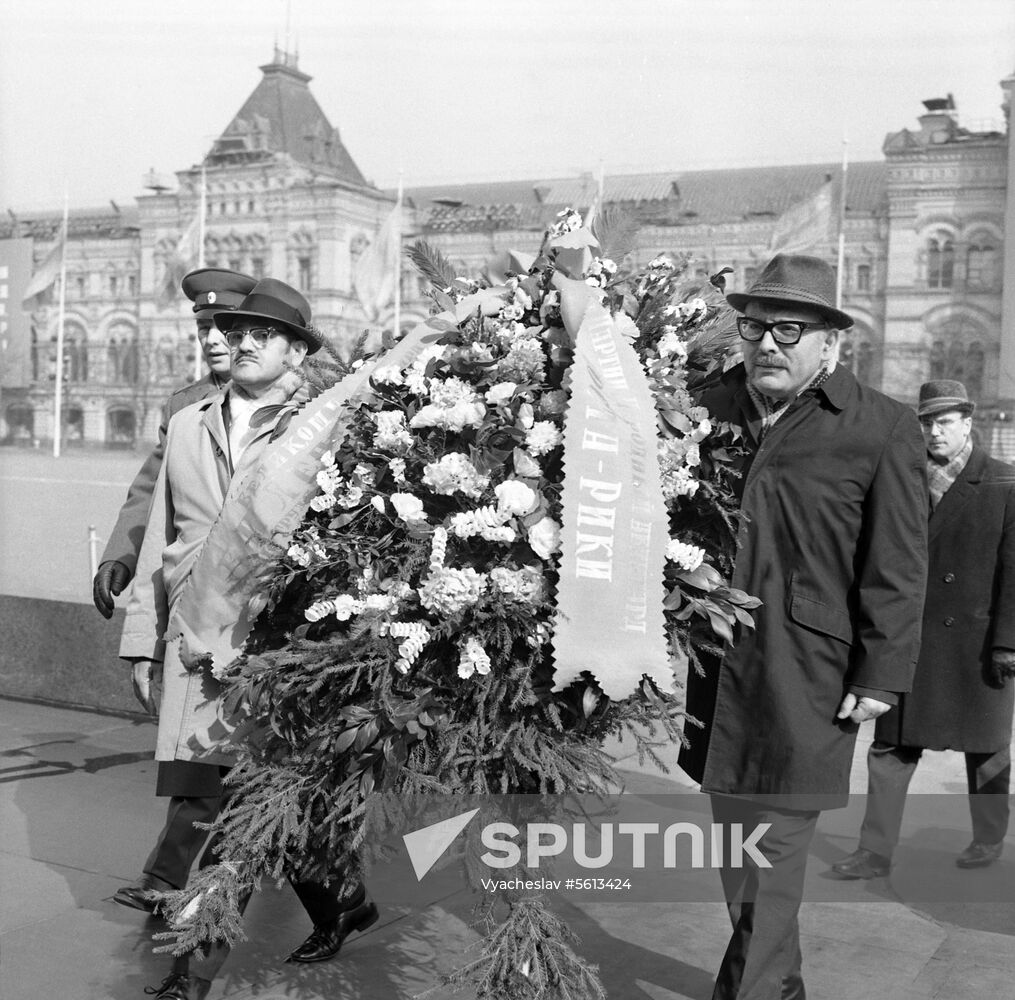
x,y
863,277
132,285
114,285
303,264
257,267
937,359
234,263
975,364
981,264
940,262
79,287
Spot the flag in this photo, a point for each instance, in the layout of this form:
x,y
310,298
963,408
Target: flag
x,y
373,275
45,276
181,259
805,225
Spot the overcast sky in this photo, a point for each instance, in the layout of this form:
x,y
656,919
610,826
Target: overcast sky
x,y
93,93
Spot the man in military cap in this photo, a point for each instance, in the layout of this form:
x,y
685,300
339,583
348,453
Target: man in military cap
x,y
960,698
193,789
209,445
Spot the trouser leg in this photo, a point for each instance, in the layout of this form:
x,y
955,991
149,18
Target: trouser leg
x,y
989,776
180,841
762,960
889,770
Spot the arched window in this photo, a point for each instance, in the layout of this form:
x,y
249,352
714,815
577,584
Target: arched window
x,y
940,261
20,422
975,363
938,361
74,424
981,263
863,277
121,427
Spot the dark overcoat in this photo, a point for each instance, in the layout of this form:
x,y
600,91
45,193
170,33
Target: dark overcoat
x,y
970,609
177,777
835,546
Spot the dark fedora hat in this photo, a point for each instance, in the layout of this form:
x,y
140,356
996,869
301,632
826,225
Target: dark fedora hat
x,y
796,280
941,395
274,303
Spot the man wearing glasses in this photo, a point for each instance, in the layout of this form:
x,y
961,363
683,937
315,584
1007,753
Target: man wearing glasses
x,y
960,698
208,446
193,789
834,543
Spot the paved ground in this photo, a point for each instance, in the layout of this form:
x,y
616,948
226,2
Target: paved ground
x,y
78,815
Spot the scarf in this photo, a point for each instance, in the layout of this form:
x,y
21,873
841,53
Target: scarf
x,y
941,477
769,410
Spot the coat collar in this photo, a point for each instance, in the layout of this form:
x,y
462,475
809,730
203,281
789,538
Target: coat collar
x,y
960,492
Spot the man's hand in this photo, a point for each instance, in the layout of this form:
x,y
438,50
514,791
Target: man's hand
x,y
146,679
860,710
1002,666
109,581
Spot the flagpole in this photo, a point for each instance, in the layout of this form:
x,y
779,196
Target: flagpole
x,y
201,216
397,250
841,264
58,394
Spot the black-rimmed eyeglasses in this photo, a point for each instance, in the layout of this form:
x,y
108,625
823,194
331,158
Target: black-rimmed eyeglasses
x,y
784,331
260,335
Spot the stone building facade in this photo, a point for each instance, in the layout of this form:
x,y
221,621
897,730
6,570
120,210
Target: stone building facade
x,y
924,237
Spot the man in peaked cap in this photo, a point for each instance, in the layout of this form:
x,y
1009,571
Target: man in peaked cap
x,y
960,699
833,542
209,446
193,789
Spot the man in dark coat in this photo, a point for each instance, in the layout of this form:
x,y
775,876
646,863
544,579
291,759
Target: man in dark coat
x,y
834,545
193,789
959,700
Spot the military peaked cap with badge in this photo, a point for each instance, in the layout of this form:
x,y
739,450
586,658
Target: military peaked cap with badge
x,y
796,280
214,288
273,303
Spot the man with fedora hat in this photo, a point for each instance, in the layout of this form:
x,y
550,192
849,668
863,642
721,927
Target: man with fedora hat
x,y
833,542
209,446
193,789
960,699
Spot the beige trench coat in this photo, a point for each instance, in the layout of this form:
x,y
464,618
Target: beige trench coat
x,y
190,491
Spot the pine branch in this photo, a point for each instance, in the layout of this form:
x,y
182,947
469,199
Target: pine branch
x,y
432,264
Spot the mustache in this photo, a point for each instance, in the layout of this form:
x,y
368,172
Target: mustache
x,y
769,360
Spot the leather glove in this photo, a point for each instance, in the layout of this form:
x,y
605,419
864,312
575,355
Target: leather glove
x,y
146,679
109,581
1002,666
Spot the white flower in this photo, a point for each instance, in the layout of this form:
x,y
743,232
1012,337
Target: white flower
x,y
671,346
397,467
544,537
454,473
500,393
408,507
553,402
543,437
514,497
698,413
693,455
512,311
415,636
377,503
457,416
392,434
702,431
438,549
324,501
388,375
298,554
524,584
660,262
525,465
452,590
687,557
473,660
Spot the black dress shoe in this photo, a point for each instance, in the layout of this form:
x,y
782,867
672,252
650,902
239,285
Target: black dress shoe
x,y
325,940
177,986
862,864
979,855
139,897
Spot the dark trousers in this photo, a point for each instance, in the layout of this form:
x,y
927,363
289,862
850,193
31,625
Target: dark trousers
x,y
180,841
890,769
762,960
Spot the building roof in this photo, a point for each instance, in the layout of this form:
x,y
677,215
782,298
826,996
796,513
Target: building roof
x,y
282,117
110,222
693,197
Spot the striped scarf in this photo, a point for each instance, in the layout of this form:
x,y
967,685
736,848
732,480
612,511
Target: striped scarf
x,y
941,477
769,410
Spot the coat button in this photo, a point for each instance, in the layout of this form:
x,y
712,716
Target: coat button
x,y
949,577
949,621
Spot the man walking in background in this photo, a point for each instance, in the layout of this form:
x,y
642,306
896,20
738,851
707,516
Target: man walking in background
x,y
193,788
960,698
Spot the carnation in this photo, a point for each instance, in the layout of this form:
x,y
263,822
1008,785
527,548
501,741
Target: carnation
x,y
451,591
454,473
687,557
514,497
543,437
392,434
409,508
